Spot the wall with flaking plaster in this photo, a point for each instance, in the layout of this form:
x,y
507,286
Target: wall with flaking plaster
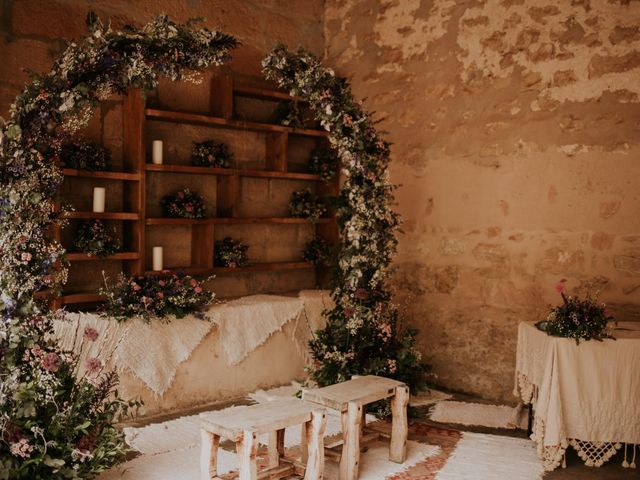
x,y
516,130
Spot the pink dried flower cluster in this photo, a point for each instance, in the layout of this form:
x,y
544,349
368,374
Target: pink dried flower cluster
x,y
90,333
51,362
21,448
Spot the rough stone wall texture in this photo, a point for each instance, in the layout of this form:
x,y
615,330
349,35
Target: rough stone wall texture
x,y
33,33
515,126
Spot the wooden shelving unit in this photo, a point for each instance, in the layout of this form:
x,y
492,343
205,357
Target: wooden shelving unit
x,y
134,219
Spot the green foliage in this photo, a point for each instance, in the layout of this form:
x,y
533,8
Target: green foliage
x,y
324,162
183,204
95,238
289,114
319,252
54,421
363,335
306,204
211,154
84,155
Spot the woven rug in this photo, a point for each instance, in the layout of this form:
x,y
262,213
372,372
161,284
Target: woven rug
x,y
478,414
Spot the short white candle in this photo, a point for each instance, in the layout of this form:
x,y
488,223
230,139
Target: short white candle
x,y
156,158
99,194
157,259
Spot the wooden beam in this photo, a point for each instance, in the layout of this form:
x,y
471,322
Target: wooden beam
x,y
222,96
400,426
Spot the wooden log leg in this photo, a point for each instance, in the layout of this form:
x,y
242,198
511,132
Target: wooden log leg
x,y
400,425
275,447
247,449
315,446
350,459
208,455
304,434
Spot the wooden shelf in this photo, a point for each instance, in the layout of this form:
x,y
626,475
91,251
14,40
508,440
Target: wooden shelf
x,y
131,177
103,216
262,93
74,298
188,169
83,257
233,221
207,120
256,267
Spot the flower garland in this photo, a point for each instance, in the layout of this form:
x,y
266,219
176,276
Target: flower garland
x,y
52,424
211,154
154,296
230,253
363,335
306,204
183,204
95,238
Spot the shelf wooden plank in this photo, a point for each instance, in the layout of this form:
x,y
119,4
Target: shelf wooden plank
x,y
262,93
256,267
232,221
200,119
131,177
80,257
188,169
103,216
72,298
150,167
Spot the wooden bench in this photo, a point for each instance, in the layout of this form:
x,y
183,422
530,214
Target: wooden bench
x,y
244,425
350,398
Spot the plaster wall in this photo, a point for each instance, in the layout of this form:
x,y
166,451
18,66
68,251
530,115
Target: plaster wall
x,y
515,127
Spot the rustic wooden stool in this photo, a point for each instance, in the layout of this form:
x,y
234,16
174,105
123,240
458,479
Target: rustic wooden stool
x,y
349,398
243,425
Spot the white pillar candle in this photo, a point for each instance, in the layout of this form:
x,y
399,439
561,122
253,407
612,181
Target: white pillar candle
x,y
99,194
156,157
157,259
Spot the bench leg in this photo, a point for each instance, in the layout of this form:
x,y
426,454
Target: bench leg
x,y
304,440
315,446
350,459
208,455
275,447
247,449
400,425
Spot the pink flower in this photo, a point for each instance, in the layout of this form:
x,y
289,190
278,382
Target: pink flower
x,y
136,287
93,364
50,362
560,285
197,290
26,257
194,282
160,295
90,333
180,194
392,365
162,283
361,294
21,448
349,312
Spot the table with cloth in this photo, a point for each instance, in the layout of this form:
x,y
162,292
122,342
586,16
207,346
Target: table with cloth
x,y
586,396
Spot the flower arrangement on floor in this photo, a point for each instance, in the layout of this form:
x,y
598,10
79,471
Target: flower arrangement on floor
x,y
576,318
230,253
154,297
53,424
183,204
85,155
318,251
211,154
289,114
96,238
363,334
324,162
306,204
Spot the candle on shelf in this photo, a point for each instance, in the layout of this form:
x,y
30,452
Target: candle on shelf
x,y
99,194
157,259
156,157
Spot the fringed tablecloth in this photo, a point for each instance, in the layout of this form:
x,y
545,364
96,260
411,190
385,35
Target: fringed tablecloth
x,y
586,395
153,352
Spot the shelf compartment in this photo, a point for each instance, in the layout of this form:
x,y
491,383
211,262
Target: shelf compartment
x,y
250,91
233,221
103,215
188,169
256,267
207,120
74,298
126,176
83,257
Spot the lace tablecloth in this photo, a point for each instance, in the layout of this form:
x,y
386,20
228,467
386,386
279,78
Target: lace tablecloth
x,y
586,396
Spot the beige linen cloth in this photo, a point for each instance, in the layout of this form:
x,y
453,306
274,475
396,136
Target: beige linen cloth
x,y
153,352
586,396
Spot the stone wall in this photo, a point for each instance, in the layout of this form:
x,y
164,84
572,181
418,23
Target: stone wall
x,y
34,32
516,127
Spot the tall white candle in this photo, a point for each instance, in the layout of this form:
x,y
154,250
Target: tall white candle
x,y
99,194
157,259
156,157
